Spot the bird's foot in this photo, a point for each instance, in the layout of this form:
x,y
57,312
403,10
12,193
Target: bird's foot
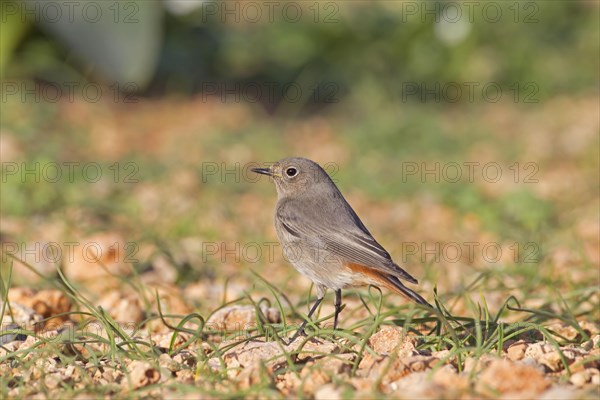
x,y
299,332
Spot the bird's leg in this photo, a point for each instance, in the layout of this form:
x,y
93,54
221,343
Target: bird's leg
x,y
300,331
338,307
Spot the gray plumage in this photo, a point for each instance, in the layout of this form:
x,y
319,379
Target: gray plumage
x,y
322,236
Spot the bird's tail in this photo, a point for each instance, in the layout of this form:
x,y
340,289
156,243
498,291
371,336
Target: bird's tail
x,y
396,285
392,282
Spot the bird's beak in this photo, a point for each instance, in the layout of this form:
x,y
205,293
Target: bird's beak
x,y
263,171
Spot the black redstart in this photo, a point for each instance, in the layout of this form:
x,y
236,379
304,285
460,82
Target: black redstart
x,y
323,237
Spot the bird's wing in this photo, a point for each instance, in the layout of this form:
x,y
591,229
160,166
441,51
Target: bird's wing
x,y
354,245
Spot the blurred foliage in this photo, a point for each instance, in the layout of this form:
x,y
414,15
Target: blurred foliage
x,y
117,41
352,44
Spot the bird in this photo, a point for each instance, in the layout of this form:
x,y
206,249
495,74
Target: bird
x,y
325,240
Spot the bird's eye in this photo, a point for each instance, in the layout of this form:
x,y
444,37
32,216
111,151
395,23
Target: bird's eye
x,y
291,172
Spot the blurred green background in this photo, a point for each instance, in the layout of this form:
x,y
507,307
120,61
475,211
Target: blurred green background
x,y
384,86
165,47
